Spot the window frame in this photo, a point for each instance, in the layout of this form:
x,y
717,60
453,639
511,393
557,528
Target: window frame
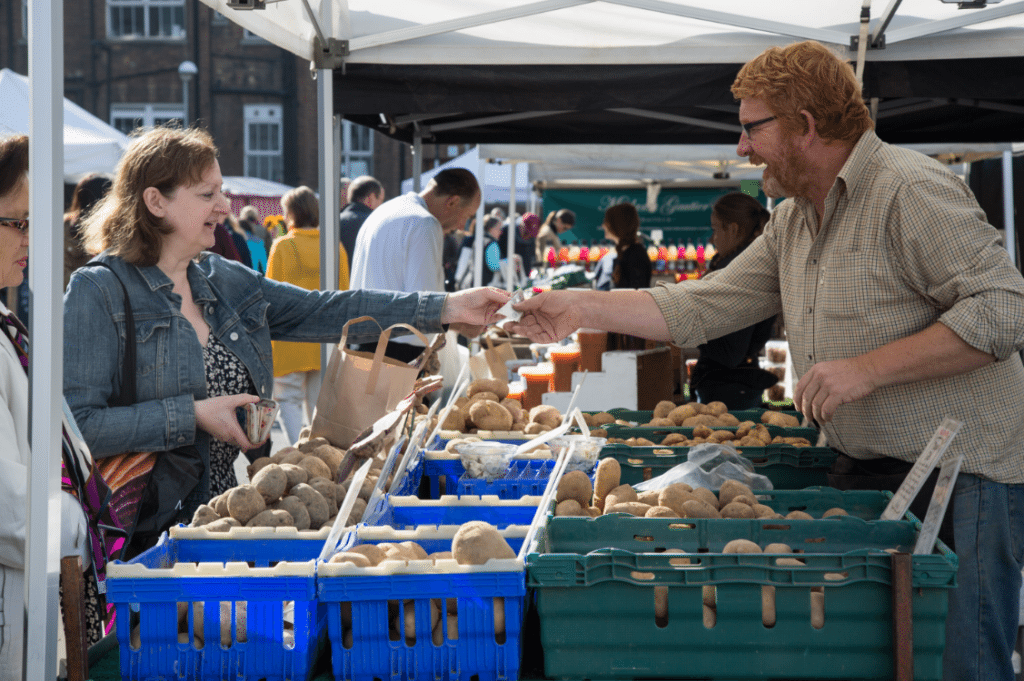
x,y
148,112
146,6
266,113
348,154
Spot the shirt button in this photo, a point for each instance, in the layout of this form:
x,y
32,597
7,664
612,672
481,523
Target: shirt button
x,y
810,310
814,261
234,336
810,356
209,309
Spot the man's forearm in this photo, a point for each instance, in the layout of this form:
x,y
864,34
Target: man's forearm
x,y
631,312
936,352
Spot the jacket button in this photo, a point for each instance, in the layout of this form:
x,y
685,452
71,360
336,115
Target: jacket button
x,y
181,439
234,336
209,309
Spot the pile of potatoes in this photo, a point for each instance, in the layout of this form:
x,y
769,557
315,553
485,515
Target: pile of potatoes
x,y
747,434
294,487
713,414
487,407
577,497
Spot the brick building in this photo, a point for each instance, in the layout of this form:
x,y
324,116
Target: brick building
x,y
121,60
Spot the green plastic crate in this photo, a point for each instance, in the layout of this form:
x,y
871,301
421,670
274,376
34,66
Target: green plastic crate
x,y
657,433
788,467
595,580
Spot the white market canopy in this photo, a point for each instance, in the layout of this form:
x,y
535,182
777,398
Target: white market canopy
x,y
237,185
496,181
90,145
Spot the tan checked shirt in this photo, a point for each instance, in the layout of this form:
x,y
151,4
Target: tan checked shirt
x,y
903,244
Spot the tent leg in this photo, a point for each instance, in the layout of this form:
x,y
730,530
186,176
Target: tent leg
x,y
417,160
1009,223
478,240
510,261
329,190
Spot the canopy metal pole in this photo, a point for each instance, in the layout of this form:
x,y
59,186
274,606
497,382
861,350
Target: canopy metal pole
x,y
478,239
46,189
417,161
510,264
326,131
1008,221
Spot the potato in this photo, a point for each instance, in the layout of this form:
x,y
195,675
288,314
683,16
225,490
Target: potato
x,y
283,452
515,407
741,546
832,512
476,542
602,418
660,512
308,446
293,457
630,507
296,509
674,496
296,474
717,408
455,420
731,489
357,559
681,413
316,505
535,428
374,554
620,494
736,509
743,499
220,504
546,415
569,507
222,525
649,497
720,436
695,508
494,385
744,428
400,552
443,555
575,485
778,547
253,468
332,456
799,515
358,508
272,518
774,418
674,439
728,420
592,511
315,468
204,515
662,409
270,482
244,503
768,614
489,415
707,496
483,395
762,511
661,423
607,478
762,434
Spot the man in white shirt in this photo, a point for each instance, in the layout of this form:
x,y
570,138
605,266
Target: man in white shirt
x,y
399,246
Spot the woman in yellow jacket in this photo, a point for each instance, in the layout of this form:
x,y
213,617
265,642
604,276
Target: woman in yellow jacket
x,y
295,258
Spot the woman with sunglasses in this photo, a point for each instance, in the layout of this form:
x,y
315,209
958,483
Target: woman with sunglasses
x,y
14,403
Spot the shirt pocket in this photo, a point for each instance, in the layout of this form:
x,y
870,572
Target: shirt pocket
x,y
151,338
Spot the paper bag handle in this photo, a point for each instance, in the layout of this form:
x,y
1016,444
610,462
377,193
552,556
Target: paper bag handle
x,y
382,344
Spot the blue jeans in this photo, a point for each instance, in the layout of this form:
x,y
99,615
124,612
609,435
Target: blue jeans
x,y
981,627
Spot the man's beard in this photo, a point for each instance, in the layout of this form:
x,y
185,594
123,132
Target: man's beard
x,y
787,177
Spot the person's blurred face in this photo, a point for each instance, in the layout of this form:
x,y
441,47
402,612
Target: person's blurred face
x,y
193,212
724,237
373,201
455,212
559,225
13,243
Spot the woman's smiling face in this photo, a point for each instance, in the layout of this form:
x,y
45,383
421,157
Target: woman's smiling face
x,y
193,212
13,244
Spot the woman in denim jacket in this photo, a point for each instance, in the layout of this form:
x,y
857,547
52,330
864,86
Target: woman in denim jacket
x,y
203,324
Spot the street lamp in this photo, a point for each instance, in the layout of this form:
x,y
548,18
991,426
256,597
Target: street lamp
x,y
186,70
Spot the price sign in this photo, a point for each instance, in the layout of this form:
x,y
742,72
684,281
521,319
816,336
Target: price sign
x,y
929,458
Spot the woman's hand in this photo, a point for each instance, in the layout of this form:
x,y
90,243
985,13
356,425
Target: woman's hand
x,y
216,415
469,311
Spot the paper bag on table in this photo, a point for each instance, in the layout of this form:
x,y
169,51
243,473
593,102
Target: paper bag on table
x,y
360,387
496,354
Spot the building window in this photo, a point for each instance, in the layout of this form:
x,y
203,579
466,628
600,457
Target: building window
x,y
264,141
146,19
356,150
127,117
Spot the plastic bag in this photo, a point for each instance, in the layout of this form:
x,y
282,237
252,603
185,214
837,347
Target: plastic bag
x,y
584,457
708,466
487,460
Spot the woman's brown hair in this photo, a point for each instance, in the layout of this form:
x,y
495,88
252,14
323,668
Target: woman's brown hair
x,y
743,210
13,163
301,205
164,158
623,221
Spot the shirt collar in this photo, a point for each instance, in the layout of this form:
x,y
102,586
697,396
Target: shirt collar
x,y
855,170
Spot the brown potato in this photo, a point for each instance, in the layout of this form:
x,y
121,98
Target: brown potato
x,y
799,515
620,494
332,456
256,465
415,549
455,420
222,525
630,507
741,546
695,508
702,431
736,509
569,507
663,408
728,419
717,408
358,508
270,482
283,452
483,395
602,418
681,413
373,552
476,542
649,497
309,445
357,559
762,511
832,512
296,475
592,511
731,489
493,385
220,504
535,428
660,512
708,497
244,503
315,468
674,496
489,415
294,457
778,547
662,423
674,439
743,499
575,485
774,418
272,518
643,442
204,515
720,436
327,490
515,407
546,415
296,509
316,505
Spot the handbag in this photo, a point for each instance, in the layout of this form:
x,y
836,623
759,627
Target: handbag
x,y
148,489
360,387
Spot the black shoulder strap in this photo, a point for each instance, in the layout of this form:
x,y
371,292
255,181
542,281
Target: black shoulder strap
x,y
128,395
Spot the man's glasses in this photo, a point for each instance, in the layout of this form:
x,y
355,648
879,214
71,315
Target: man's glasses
x,y
748,128
20,225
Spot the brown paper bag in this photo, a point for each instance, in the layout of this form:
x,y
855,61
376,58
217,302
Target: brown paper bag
x,y
359,387
497,353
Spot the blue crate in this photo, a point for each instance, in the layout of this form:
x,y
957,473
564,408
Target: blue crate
x,y
363,646
409,511
525,477
147,590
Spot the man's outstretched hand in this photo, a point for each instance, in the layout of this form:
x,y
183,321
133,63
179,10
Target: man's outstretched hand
x,y
548,317
469,312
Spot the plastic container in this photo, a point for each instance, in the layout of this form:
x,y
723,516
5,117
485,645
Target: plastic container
x,y
516,390
584,457
538,379
522,478
487,460
363,644
409,512
610,571
565,361
263,570
592,344
788,467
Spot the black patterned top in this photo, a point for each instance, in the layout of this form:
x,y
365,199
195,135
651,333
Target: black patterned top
x,y
225,375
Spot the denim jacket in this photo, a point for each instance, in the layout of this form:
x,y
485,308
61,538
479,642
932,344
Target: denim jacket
x,y
245,311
